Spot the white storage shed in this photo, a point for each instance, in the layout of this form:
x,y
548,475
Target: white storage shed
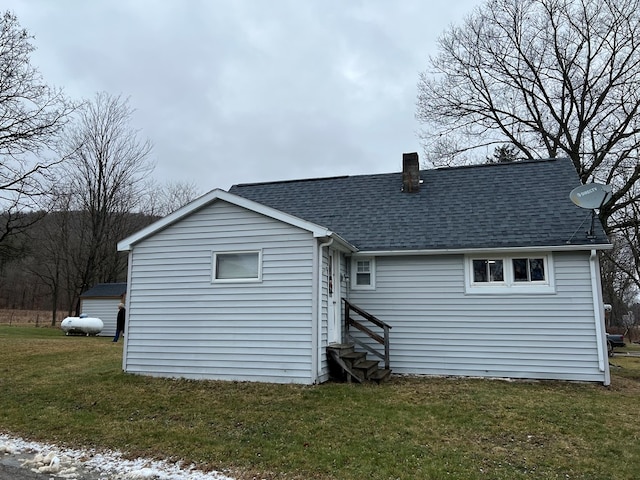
x,y
102,301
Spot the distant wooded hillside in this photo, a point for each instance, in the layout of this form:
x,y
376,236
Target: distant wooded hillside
x,y
55,257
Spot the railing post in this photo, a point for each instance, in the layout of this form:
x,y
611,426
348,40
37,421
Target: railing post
x,y
386,348
384,340
345,330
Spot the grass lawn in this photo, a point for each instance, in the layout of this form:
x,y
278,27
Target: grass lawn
x,y
71,391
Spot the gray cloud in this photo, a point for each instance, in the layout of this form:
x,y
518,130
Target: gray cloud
x,y
245,91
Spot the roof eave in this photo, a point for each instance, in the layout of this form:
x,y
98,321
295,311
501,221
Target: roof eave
x,y
342,244
317,231
492,250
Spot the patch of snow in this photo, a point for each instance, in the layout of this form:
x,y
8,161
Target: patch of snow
x,y
70,464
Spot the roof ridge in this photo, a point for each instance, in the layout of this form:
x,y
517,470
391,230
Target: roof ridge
x,y
439,169
314,179
501,164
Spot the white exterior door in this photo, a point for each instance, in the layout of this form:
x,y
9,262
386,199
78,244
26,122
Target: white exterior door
x,y
334,332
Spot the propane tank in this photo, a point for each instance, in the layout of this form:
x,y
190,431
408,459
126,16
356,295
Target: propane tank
x,y
82,325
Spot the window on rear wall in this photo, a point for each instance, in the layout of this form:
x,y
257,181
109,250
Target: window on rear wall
x,y
488,271
510,274
363,273
528,270
243,266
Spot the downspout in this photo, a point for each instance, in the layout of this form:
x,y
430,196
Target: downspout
x,y
598,311
318,325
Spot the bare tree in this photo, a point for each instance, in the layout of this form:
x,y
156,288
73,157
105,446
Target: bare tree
x,y
54,242
105,179
32,115
169,197
553,78
627,260
503,154
618,285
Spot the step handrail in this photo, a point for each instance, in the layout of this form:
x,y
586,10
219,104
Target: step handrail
x,y
349,321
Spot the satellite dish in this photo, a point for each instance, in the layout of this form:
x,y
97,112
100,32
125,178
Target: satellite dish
x,y
590,195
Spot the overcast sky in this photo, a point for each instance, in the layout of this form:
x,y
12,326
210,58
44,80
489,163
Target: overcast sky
x,y
250,90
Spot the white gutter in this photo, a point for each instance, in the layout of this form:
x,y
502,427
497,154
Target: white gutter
x,y
317,330
441,251
598,311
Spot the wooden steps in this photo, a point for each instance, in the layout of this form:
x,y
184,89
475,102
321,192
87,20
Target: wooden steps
x,y
346,364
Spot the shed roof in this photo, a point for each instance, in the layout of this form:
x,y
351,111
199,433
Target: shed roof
x,y
106,290
506,205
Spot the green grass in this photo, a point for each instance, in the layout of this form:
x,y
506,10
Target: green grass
x,y
71,390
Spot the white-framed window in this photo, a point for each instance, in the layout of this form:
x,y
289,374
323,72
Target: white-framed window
x,y
517,274
529,269
488,270
240,266
363,275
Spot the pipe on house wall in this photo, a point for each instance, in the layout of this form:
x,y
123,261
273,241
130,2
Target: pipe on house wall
x,y
598,311
318,323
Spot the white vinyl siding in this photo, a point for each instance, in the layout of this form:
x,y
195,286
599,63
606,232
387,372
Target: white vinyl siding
x,y
324,318
180,324
438,329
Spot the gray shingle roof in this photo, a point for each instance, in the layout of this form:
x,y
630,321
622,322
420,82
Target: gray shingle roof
x,y
106,290
523,204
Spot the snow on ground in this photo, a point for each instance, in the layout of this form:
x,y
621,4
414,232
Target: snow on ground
x,y
72,464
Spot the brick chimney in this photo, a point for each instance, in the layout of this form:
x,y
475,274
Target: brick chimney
x,y
410,172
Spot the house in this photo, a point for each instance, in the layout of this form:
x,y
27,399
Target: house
x,y
101,301
485,270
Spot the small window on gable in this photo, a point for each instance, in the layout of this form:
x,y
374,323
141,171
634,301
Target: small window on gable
x,y
362,273
237,266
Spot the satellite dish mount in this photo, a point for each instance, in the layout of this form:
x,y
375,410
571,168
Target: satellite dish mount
x,y
591,196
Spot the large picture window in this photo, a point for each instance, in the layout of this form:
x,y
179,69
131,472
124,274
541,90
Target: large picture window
x,y
237,266
510,274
